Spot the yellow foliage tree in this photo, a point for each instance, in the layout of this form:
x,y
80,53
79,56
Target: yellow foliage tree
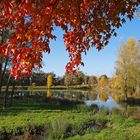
x,y
103,80
49,81
116,83
128,67
102,83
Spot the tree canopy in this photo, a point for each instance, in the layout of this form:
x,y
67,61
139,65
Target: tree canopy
x,y
86,23
128,67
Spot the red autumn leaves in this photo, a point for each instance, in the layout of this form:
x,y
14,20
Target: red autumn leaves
x,y
86,23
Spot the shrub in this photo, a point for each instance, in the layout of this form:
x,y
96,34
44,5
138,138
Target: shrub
x,y
116,111
104,111
93,108
59,129
100,119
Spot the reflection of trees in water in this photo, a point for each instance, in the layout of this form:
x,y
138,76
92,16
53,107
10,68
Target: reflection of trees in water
x,y
49,93
130,110
72,94
77,95
92,96
103,97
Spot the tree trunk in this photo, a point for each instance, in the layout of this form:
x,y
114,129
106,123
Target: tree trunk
x,y
126,97
125,89
6,93
13,91
0,75
2,41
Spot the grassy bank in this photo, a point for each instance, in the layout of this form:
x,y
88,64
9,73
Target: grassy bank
x,y
38,88
59,119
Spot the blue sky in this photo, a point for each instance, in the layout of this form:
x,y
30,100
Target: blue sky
x,y
95,63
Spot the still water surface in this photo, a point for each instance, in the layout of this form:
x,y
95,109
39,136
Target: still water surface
x,y
88,97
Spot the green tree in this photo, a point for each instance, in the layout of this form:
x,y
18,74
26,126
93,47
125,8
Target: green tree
x,y
67,80
39,78
74,79
70,79
80,78
93,81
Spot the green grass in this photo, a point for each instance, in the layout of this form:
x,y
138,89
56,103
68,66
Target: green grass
x,y
66,120
116,133
118,128
23,114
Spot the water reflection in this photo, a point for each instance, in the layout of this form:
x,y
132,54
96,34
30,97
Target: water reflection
x,y
109,103
101,100
88,97
49,93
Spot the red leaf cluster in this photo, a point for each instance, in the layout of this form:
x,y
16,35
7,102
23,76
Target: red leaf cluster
x,y
86,23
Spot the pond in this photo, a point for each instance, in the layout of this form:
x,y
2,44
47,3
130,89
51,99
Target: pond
x,y
87,97
110,103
